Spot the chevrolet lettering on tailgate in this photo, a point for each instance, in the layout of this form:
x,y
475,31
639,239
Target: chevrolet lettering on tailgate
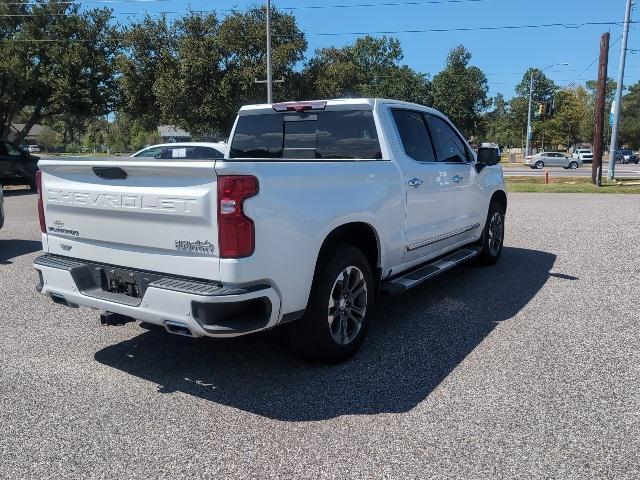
x,y
112,201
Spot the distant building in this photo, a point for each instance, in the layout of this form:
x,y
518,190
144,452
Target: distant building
x,y
32,136
170,134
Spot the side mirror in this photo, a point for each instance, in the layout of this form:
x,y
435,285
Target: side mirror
x,y
488,156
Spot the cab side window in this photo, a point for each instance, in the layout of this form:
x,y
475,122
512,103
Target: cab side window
x,y
449,146
11,150
414,135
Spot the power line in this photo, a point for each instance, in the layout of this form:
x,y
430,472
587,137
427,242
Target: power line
x,y
395,32
573,82
414,3
232,10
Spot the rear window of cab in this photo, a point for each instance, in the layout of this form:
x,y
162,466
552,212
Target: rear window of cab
x,y
341,134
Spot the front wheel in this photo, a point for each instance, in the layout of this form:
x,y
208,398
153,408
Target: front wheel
x,y
336,320
492,238
573,165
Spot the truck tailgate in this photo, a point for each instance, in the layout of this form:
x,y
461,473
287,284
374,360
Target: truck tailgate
x,y
161,217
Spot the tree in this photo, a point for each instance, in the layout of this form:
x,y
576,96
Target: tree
x,y
566,126
165,66
194,71
148,47
243,40
370,67
54,59
630,118
460,91
48,139
499,125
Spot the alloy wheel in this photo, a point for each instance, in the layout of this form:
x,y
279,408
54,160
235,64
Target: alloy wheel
x,y
347,305
496,233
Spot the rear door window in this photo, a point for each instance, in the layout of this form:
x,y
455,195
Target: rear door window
x,y
326,135
414,135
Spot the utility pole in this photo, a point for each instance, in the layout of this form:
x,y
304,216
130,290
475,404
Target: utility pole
x,y
269,74
616,112
527,150
269,81
598,141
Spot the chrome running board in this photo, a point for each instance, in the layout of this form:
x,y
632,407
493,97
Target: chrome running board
x,y
428,270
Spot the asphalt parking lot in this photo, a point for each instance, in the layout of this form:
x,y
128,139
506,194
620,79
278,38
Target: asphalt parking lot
x,y
529,369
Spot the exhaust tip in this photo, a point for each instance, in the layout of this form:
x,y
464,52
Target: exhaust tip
x,y
178,328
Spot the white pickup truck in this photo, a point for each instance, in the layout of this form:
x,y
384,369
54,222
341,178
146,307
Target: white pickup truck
x,y
316,208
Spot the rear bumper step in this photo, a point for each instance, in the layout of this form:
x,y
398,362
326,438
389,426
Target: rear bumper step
x,y
201,307
429,270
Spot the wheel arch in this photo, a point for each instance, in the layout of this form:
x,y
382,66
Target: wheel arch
x,y
361,235
500,197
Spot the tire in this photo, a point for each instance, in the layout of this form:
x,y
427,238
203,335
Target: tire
x,y
329,331
539,165
493,231
32,184
573,165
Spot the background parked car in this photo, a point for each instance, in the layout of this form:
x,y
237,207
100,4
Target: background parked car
x,y
583,154
552,159
184,151
30,148
17,167
625,155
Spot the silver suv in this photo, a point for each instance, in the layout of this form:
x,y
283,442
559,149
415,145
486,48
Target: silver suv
x,y
552,159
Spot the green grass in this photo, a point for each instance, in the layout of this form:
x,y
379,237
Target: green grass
x,y
570,185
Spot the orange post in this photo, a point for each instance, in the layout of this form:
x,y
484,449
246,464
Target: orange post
x,y
546,177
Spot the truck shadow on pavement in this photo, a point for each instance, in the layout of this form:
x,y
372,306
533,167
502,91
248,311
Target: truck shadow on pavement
x,y
414,342
10,249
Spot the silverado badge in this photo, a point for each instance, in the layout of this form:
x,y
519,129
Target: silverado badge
x,y
196,247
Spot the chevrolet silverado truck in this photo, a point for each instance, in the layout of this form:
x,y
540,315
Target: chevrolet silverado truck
x,y
316,209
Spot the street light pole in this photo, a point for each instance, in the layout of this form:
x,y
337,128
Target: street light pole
x,y
618,100
528,148
269,74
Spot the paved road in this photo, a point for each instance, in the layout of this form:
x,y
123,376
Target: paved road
x,y
621,171
528,369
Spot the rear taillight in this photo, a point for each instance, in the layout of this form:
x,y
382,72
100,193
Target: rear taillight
x,y
235,229
43,225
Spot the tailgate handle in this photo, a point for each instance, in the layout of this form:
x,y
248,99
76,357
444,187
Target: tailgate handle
x,y
110,173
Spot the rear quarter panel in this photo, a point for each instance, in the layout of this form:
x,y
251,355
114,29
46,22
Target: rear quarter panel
x,y
299,204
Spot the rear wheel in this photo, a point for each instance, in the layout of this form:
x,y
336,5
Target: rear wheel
x,y
32,184
539,165
336,319
492,238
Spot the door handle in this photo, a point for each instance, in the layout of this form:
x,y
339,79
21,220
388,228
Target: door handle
x,y
457,179
414,182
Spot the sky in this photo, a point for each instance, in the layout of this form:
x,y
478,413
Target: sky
x,y
504,55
